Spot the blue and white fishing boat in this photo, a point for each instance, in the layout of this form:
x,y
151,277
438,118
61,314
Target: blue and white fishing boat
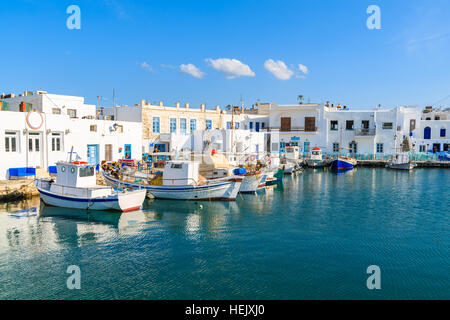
x,y
316,160
76,187
180,180
342,163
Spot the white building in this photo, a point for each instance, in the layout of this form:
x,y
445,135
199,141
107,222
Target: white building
x,y
41,136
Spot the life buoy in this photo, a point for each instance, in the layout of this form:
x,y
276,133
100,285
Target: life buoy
x,y
252,158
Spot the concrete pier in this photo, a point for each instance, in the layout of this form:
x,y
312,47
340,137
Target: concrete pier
x,y
420,164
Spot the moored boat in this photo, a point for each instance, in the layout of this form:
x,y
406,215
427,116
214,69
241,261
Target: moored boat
x,y
401,162
180,180
342,163
316,159
76,187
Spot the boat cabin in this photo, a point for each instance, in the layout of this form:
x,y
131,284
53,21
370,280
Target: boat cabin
x,y
292,152
180,173
316,154
75,174
401,158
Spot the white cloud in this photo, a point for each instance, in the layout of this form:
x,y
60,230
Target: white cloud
x,y
303,68
192,70
146,66
278,69
231,68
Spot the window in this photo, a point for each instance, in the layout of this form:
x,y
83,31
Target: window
x,y
93,128
193,126
422,148
251,126
183,125
155,125
120,128
56,141
388,125
72,113
10,141
443,132
56,111
380,148
28,107
173,125
335,147
427,133
334,125
87,171
263,125
365,124
349,125
176,166
208,124
228,125
257,126
437,118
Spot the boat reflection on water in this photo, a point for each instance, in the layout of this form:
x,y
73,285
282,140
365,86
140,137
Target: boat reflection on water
x,y
106,217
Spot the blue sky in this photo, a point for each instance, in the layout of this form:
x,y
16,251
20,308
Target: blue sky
x,y
138,48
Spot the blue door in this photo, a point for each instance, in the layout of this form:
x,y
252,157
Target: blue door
x,y
257,126
92,154
127,152
427,133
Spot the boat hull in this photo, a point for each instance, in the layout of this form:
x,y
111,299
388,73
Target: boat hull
x,y
225,190
315,163
125,202
401,166
251,183
342,164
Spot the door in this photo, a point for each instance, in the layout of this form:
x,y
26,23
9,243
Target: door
x,y
353,148
127,151
92,154
257,126
310,124
286,124
108,152
306,147
35,150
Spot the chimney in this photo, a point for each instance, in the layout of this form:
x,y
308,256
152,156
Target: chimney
x,y
161,104
186,105
217,108
202,107
177,105
142,102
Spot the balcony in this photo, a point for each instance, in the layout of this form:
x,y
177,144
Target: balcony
x,y
363,132
292,129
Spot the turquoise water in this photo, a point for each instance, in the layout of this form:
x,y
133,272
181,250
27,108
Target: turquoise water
x,y
312,238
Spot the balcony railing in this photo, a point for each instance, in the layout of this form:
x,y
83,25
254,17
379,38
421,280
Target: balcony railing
x,y
292,129
362,132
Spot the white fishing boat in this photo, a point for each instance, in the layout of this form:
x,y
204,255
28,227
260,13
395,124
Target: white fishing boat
x,y
76,187
401,162
316,159
180,180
